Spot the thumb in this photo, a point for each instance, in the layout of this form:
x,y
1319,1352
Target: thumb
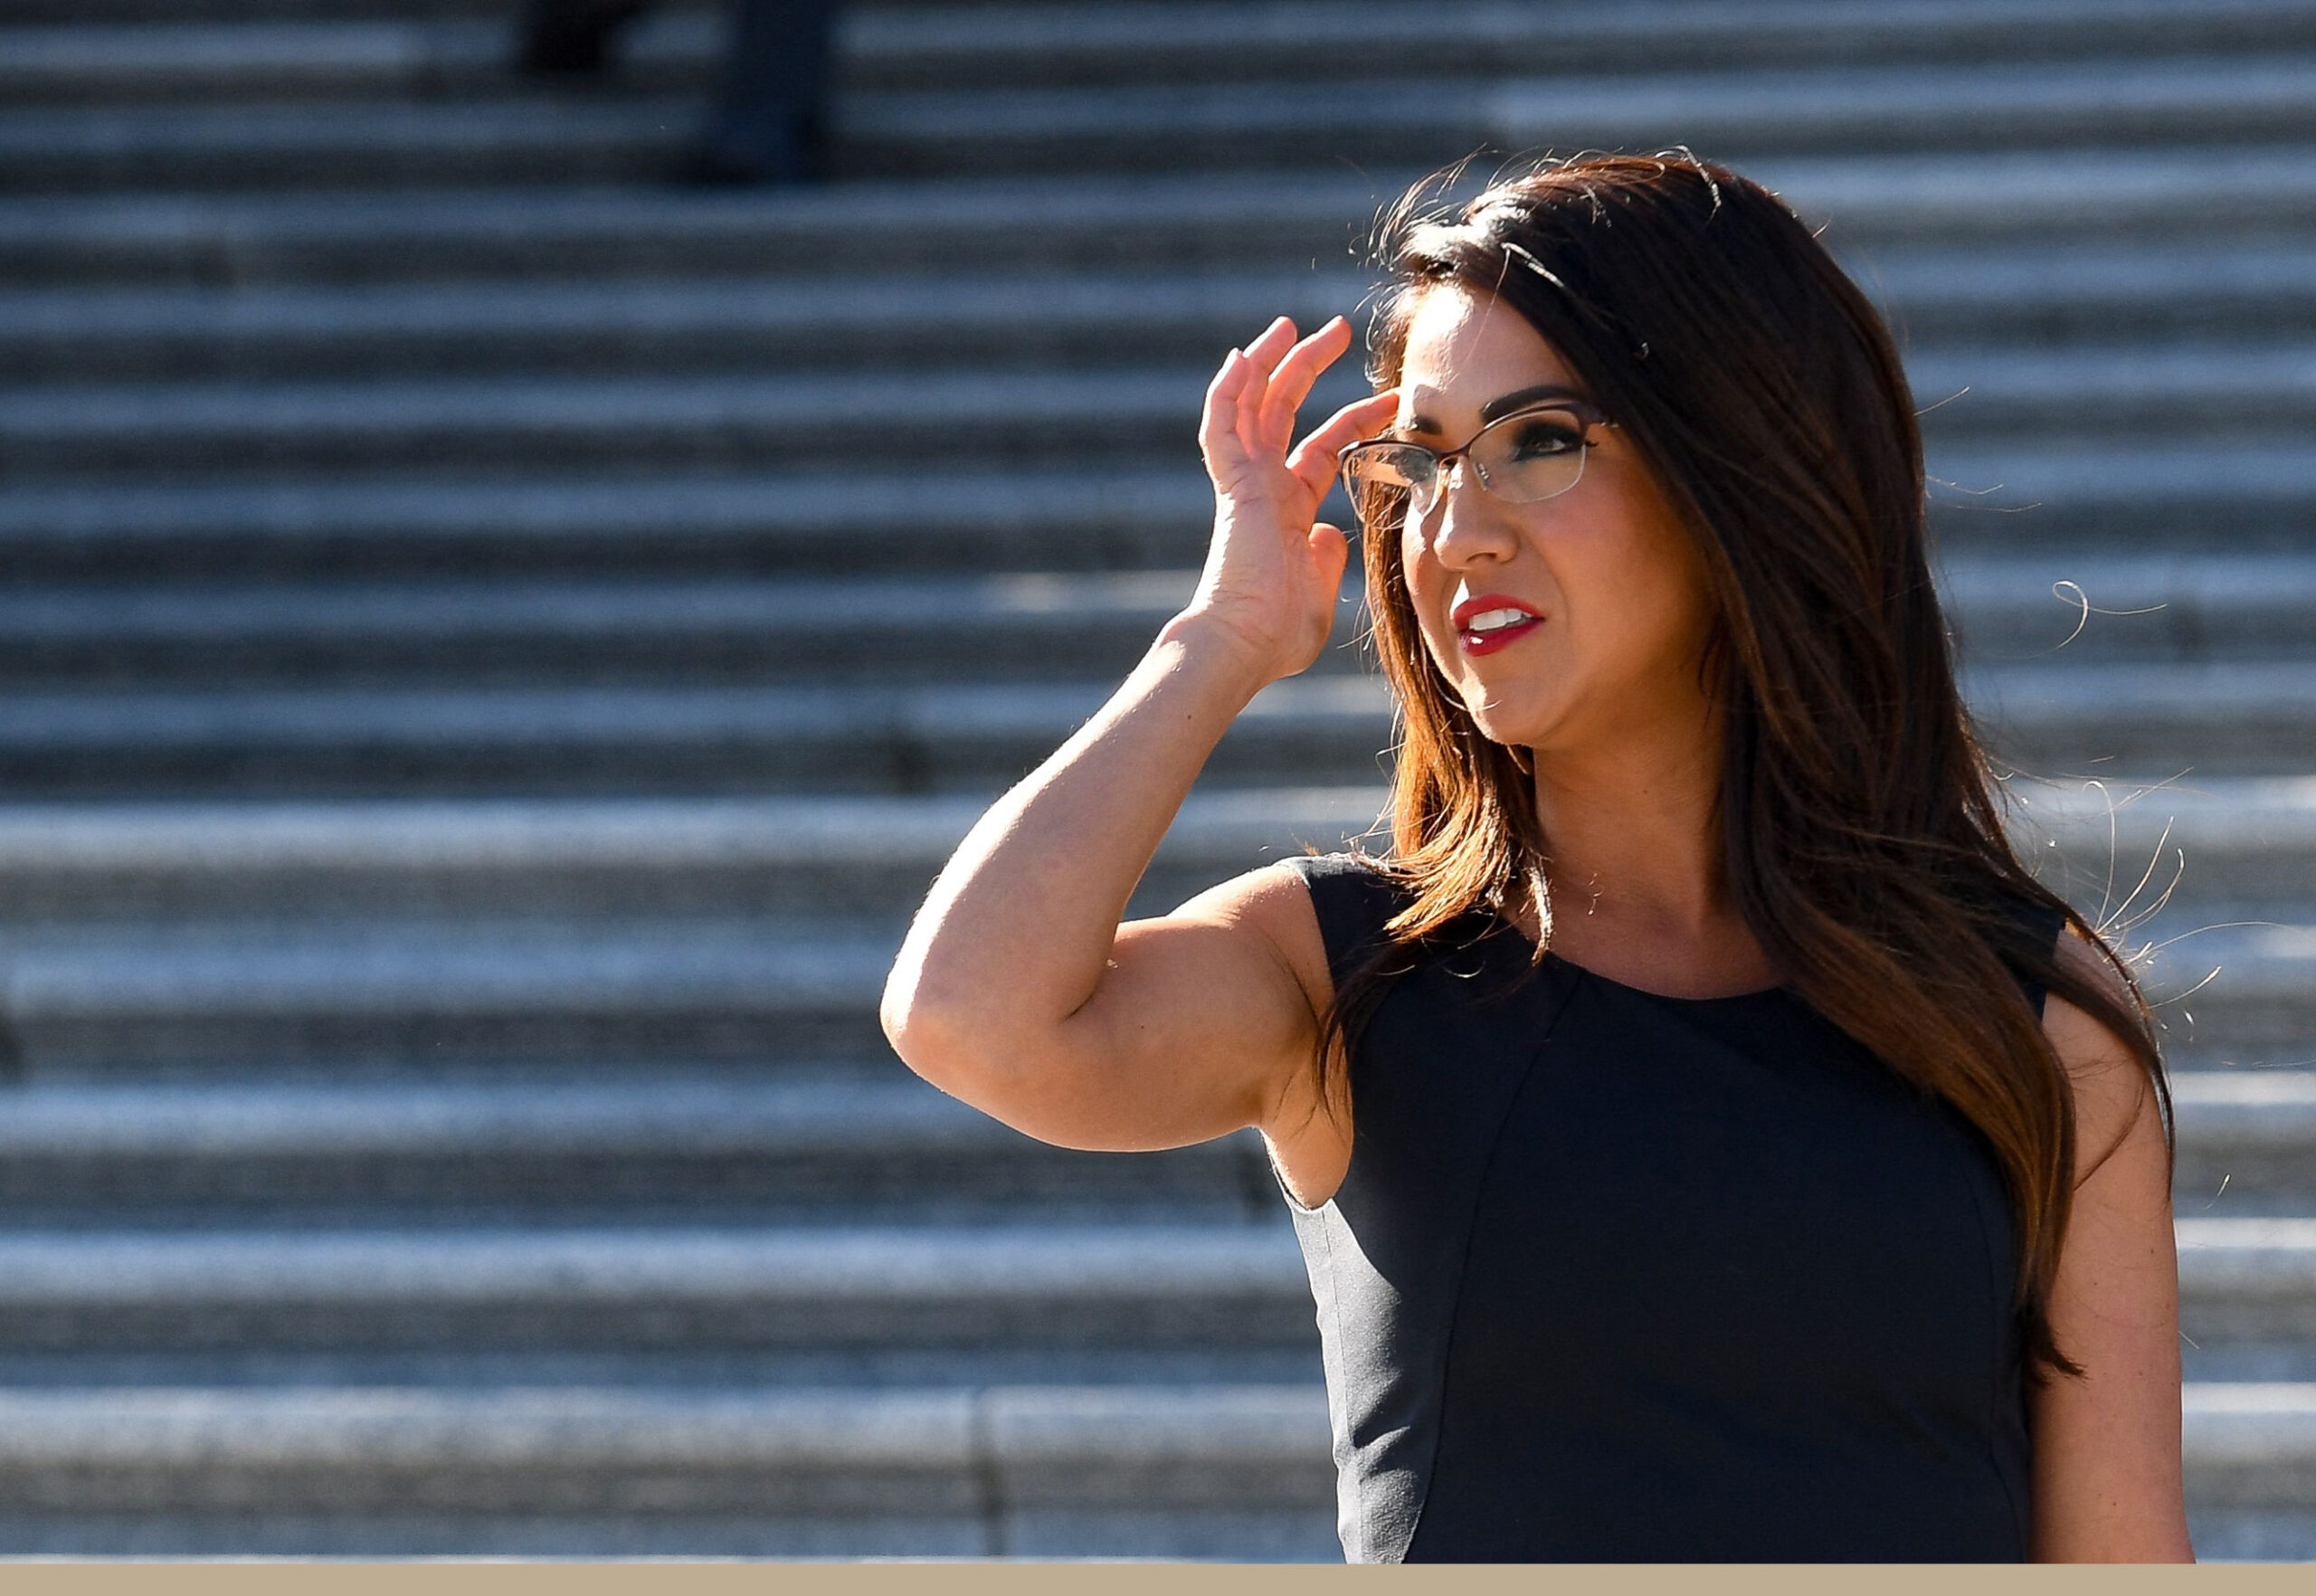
x,y
1331,548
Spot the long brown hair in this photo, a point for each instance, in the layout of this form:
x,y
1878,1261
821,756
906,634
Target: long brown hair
x,y
1857,820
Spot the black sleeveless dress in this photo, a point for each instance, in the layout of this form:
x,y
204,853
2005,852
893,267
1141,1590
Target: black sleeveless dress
x,y
1616,1276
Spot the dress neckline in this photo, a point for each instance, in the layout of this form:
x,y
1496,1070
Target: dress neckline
x,y
1758,995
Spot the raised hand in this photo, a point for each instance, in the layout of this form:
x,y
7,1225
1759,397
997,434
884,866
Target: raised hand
x,y
1273,571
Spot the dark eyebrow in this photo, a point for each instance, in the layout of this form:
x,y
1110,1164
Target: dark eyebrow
x,y
1496,409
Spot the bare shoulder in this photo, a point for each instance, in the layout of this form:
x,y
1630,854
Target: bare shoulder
x,y
2107,1477
2114,1099
1274,902
1309,1148
1200,1024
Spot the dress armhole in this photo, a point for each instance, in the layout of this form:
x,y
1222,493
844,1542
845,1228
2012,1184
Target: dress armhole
x,y
1352,899
2045,923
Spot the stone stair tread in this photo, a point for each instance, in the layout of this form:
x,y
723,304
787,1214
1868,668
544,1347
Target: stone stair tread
x,y
2270,1256
72,335
457,125
780,231
345,1424
262,57
2075,390
2273,815
624,1264
1194,1447
446,327
2019,99
611,610
2121,100
396,834
444,969
220,59
2215,586
658,1111
929,1429
1049,519
2244,717
483,960
1233,40
2231,994
1074,519
954,1472
1215,1419
449,716
670,1112
1120,219
650,714
275,58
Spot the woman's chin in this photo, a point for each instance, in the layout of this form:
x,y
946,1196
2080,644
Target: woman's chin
x,y
1499,722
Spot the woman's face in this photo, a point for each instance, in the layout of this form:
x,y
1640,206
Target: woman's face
x,y
1619,587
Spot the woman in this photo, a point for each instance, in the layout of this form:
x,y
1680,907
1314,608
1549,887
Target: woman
x,y
1706,1139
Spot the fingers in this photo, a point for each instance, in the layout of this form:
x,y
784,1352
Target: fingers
x,y
1291,381
1251,404
1313,460
1272,342
1217,426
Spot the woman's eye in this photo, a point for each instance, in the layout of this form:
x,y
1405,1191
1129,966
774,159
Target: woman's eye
x,y
1541,438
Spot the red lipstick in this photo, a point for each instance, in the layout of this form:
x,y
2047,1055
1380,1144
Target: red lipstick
x,y
1502,631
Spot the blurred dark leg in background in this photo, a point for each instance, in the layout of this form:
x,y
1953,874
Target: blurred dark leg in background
x,y
767,124
572,37
767,120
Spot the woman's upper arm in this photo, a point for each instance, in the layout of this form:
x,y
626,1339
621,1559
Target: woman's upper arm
x,y
1201,1022
2107,1483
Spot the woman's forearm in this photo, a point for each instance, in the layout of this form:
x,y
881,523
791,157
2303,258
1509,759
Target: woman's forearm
x,y
1016,931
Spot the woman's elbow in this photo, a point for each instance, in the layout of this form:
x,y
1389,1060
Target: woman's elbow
x,y
945,1042
913,1026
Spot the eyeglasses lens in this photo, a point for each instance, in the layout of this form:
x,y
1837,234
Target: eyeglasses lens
x,y
1536,454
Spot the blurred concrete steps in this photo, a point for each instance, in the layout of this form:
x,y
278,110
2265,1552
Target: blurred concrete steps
x,y
811,522
897,737
1124,222
1018,45
2120,101
690,992
2123,101
2092,295
1234,1470
2021,609
609,1144
495,649
548,861
360,862
901,737
2051,501
761,632
211,63
663,1286
612,1145
972,421
647,328
328,143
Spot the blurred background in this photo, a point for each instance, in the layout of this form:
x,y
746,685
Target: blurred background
x,y
503,617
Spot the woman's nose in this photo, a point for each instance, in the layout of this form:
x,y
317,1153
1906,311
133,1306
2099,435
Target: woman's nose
x,y
1467,522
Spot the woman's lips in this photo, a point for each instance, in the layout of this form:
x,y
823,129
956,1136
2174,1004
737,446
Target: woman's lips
x,y
1500,637
1493,607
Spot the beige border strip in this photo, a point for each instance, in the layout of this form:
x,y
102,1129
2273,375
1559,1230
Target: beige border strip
x,y
282,1578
